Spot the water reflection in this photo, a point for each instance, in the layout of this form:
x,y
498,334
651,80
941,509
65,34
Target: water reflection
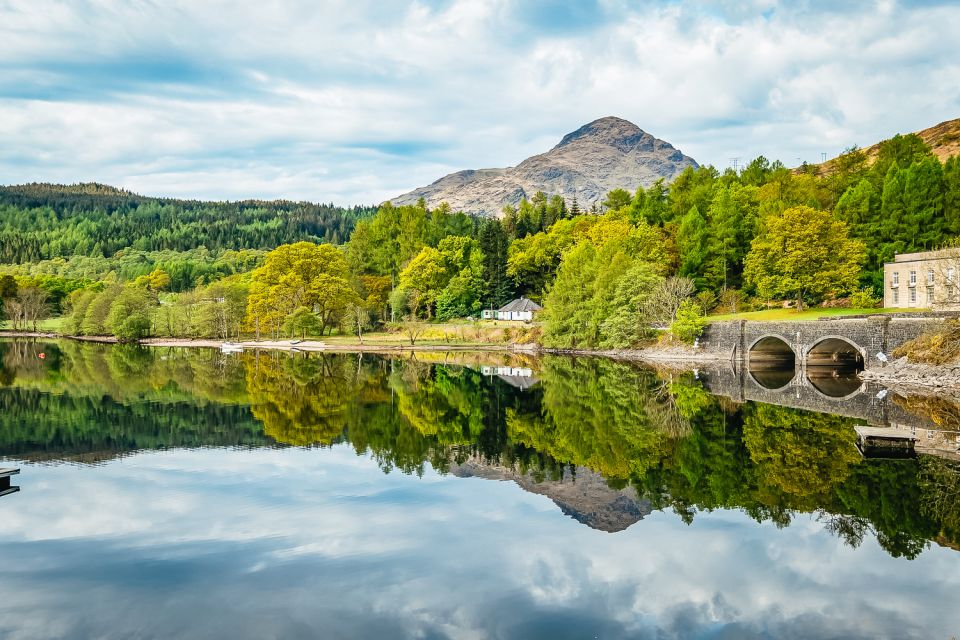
x,y
772,377
834,382
294,494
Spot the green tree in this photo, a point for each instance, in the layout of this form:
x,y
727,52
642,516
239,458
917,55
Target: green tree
x,y
617,199
299,275
494,243
803,254
130,313
303,322
690,323
923,200
693,243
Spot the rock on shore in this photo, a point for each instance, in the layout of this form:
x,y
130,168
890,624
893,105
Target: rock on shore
x,y
903,373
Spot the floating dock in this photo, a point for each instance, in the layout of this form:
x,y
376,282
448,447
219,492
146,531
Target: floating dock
x,y
5,487
885,442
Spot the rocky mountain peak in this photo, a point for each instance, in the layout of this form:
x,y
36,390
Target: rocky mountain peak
x,y
611,131
609,153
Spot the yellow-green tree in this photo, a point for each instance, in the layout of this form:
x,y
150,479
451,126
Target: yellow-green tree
x,y
299,275
803,254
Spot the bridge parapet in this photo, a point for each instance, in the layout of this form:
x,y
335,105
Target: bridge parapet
x,y
867,336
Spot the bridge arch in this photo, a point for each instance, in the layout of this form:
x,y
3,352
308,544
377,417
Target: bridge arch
x,y
771,362
835,350
772,348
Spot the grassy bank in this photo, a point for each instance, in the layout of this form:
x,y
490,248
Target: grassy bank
x,y
807,315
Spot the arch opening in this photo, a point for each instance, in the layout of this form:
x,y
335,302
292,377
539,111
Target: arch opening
x,y
771,362
833,365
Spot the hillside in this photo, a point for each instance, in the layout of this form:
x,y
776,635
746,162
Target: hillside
x,y
608,153
44,221
943,140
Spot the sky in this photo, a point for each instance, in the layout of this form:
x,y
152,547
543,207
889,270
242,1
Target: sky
x,y
356,101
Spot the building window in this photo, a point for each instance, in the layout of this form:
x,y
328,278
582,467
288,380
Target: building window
x,y
913,295
896,296
950,273
895,282
913,278
952,293
929,295
930,276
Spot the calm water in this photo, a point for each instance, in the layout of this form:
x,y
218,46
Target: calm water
x,y
175,493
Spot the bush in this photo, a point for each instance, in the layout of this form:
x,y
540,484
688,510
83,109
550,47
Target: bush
x,y
864,299
690,322
940,346
133,328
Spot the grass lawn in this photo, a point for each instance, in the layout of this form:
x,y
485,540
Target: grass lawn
x,y
483,332
780,314
50,324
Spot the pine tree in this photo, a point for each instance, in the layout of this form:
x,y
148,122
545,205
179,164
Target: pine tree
x,y
923,202
497,286
692,242
951,196
892,214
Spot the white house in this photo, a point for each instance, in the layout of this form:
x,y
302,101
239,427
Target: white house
x,y
521,309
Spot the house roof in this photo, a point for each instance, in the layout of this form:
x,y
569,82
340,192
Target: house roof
x,y
521,304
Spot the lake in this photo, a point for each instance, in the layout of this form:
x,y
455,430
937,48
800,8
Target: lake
x,y
185,493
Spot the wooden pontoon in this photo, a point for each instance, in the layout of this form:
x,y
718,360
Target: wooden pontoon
x,y
5,487
885,442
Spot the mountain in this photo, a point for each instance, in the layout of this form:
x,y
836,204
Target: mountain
x,y
608,153
943,140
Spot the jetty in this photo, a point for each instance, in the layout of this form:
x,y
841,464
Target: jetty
x,y
5,486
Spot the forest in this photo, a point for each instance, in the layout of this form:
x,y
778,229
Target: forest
x,y
639,262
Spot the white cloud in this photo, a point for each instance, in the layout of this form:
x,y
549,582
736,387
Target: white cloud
x,y
357,101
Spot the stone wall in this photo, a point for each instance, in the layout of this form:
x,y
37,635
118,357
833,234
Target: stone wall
x,y
869,336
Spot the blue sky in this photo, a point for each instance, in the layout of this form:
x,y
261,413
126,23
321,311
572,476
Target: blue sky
x,y
360,100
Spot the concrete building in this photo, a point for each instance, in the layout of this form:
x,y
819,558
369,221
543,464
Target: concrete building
x,y
922,280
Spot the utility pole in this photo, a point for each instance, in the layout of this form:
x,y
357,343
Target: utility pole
x,y
736,163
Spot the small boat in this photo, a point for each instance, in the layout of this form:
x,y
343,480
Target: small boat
x,y
231,347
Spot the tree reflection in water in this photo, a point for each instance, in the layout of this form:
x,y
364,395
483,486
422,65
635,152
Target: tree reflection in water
x,y
661,433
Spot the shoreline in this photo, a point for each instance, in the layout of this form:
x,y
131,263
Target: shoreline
x,y
898,374
673,354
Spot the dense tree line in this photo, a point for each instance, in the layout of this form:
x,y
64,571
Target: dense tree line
x,y
42,222
661,256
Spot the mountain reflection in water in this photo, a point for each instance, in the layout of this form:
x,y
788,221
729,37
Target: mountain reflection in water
x,y
609,443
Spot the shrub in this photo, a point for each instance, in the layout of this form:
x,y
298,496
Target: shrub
x,y
864,299
938,346
690,322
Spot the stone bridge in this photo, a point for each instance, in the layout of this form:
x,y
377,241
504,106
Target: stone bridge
x,y
851,341
812,365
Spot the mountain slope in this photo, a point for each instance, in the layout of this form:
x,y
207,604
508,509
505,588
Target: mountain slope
x,y
608,153
943,140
